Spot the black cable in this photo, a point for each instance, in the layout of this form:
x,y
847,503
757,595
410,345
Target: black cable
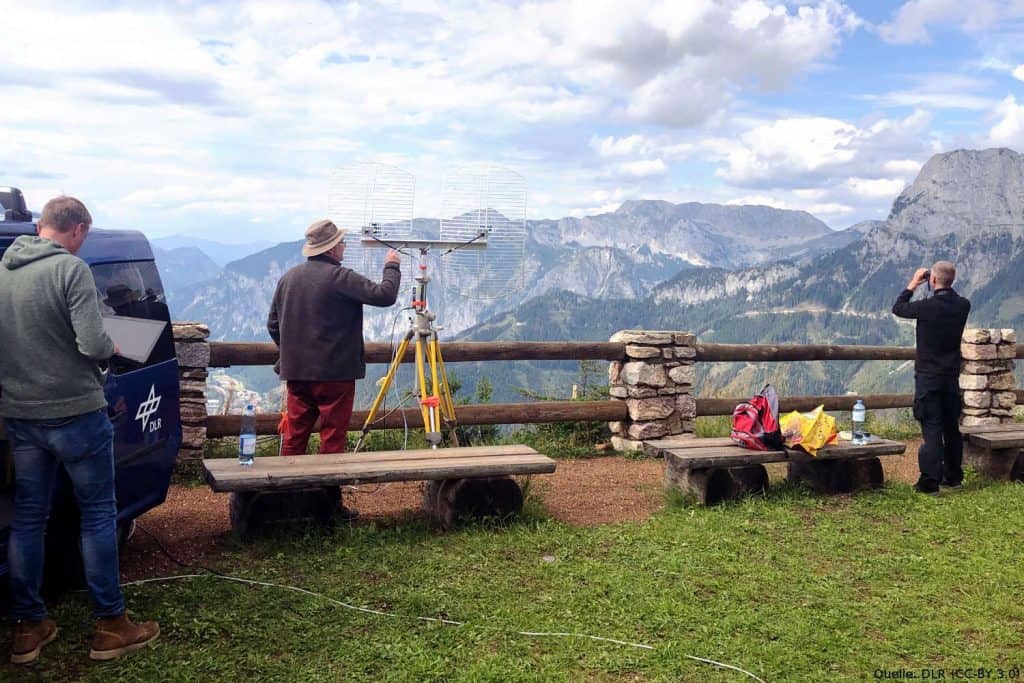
x,y
172,558
465,244
389,245
391,353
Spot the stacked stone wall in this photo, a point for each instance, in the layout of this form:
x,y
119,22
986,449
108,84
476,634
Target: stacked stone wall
x,y
986,376
655,380
193,351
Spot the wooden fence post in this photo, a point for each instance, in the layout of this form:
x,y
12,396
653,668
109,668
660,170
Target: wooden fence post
x,y
655,380
193,351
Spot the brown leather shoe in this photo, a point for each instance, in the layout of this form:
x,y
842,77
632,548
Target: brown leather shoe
x,y
116,636
30,637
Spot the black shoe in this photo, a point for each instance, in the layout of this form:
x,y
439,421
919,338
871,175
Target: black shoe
x,y
927,489
952,484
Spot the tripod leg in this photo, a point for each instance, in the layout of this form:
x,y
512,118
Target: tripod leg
x,y
383,391
430,403
444,391
421,384
447,403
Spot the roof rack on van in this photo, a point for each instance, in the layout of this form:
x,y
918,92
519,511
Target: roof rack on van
x,y
12,203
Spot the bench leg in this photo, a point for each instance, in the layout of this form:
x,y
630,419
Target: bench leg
x,y
751,479
998,464
253,513
449,501
709,486
838,476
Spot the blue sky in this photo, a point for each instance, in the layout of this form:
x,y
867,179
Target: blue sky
x,y
226,119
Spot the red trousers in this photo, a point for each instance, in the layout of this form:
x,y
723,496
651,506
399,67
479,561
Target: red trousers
x,y
332,402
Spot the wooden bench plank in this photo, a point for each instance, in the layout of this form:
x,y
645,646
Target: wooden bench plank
x,y
984,429
734,456
377,456
426,470
690,441
257,471
999,440
295,472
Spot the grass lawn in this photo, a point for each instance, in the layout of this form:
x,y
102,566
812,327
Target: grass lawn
x,y
793,587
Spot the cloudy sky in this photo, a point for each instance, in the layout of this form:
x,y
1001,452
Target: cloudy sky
x,y
226,119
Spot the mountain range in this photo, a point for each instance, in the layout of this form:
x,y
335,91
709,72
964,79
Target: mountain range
x,y
220,253
728,273
843,296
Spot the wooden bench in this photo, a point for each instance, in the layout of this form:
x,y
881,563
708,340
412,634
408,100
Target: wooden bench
x,y
995,450
462,482
716,469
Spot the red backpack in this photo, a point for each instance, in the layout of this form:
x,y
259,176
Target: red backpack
x,y
755,423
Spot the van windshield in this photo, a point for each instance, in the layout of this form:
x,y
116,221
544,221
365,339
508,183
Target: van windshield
x,y
133,290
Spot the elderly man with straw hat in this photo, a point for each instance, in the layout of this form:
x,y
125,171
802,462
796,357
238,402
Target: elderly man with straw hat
x,y
316,320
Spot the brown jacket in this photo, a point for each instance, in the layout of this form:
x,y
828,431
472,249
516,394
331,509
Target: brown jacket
x,y
316,318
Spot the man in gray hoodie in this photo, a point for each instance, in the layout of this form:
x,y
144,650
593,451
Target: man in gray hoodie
x,y
51,395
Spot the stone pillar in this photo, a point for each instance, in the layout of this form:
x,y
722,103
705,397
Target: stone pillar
x,y
986,376
656,380
989,389
193,351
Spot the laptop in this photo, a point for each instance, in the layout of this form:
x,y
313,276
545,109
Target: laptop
x,y
135,337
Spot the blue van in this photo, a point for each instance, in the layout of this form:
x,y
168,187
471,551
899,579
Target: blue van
x,y
142,397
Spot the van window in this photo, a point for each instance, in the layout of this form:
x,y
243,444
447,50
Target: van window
x,y
133,289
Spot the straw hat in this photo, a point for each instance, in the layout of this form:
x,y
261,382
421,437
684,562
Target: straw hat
x,y
321,237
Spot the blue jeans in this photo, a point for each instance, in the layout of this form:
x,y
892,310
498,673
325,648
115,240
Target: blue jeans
x,y
84,445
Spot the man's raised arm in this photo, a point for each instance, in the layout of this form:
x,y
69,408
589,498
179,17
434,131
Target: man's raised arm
x,y
366,291
904,307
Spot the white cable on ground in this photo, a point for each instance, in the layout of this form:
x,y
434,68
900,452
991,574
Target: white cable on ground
x,y
449,622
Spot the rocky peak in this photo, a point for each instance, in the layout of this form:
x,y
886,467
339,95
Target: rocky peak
x,y
966,192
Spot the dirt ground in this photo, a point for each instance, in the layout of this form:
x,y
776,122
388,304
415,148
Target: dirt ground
x,y
193,522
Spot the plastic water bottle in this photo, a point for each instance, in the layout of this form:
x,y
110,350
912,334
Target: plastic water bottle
x,y
859,417
247,437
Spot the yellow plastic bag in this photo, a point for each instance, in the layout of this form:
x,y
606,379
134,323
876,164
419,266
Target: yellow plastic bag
x,y
809,431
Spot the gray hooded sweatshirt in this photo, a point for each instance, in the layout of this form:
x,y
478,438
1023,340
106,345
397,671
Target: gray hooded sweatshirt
x,y
51,333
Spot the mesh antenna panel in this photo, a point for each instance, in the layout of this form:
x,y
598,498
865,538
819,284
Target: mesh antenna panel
x,y
488,204
371,199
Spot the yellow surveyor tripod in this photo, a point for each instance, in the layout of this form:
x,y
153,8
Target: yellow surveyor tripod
x,y
435,399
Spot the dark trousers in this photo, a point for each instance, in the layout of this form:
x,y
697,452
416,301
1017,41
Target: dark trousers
x,y
331,402
937,408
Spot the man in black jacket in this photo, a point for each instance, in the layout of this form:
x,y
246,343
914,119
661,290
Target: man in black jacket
x,y
316,319
940,325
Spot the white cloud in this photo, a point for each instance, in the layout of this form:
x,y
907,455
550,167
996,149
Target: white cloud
x,y
644,168
912,21
876,188
730,46
902,167
618,147
940,90
1018,72
791,147
165,105
840,171
798,151
1009,129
